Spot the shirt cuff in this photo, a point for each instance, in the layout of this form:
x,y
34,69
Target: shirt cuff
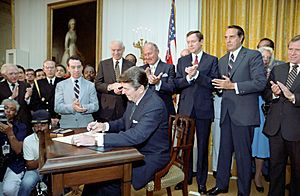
x,y
106,126
193,78
99,139
236,88
157,86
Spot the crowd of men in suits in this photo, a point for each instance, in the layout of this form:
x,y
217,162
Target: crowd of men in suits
x,y
126,100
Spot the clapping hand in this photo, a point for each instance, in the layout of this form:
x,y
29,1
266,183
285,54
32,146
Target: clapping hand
x,y
191,70
275,88
286,92
152,79
224,83
77,107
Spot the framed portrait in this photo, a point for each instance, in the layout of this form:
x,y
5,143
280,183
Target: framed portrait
x,y
75,28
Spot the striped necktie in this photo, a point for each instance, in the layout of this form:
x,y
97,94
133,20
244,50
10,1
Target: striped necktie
x,y
76,89
292,76
230,64
117,70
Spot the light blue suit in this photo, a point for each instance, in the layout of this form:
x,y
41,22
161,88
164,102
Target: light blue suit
x,y
64,97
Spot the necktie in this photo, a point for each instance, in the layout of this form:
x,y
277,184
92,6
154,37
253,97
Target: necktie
x,y
230,64
76,89
51,82
152,69
132,111
292,76
13,86
117,70
196,60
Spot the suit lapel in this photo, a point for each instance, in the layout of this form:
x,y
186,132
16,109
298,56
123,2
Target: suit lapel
x,y
202,63
238,60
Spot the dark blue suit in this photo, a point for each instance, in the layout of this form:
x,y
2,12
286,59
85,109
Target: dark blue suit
x,y
167,88
147,131
196,100
239,115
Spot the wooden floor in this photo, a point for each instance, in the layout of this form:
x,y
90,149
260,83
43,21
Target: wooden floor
x,y
210,184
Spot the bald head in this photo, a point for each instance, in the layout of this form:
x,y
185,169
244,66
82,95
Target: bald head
x,y
151,52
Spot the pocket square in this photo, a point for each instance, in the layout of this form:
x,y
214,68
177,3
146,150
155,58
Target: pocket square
x,y
164,75
134,121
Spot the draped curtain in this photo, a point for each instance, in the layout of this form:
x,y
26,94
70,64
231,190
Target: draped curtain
x,y
278,20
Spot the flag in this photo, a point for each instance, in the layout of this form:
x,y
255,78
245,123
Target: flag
x,y
171,52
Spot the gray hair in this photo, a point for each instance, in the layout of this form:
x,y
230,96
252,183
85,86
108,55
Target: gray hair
x,y
117,42
5,66
269,49
12,101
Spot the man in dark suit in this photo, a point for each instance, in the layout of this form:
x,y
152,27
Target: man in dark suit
x,y
243,78
144,126
113,103
282,122
193,81
43,92
11,88
160,75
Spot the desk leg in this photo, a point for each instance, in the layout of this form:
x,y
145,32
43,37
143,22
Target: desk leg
x,y
57,185
126,181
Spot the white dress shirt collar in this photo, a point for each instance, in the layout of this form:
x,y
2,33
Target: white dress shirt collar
x,y
199,56
235,53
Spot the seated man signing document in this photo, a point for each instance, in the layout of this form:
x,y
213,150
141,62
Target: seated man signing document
x,y
144,125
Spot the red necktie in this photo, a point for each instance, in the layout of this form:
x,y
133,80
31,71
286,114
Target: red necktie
x,y
196,60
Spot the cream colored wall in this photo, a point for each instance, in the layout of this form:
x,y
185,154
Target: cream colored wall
x,y
120,17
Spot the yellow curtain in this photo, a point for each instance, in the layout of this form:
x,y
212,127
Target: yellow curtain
x,y
278,20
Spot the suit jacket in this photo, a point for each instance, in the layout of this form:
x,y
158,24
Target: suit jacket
x,y
5,92
112,106
197,95
146,130
46,98
64,96
248,72
167,88
283,115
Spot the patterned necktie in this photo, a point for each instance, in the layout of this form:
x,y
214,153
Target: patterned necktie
x,y
76,89
117,70
292,76
230,64
196,60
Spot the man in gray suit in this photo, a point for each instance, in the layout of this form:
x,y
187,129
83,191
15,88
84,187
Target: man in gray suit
x,y
76,97
243,78
112,102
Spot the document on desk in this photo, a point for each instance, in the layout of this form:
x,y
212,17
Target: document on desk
x,y
68,139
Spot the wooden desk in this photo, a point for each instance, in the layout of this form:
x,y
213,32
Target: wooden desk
x,y
70,165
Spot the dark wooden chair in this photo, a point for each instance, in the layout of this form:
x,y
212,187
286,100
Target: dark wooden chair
x,y
181,134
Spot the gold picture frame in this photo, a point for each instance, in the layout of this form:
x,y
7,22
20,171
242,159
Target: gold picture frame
x,y
88,30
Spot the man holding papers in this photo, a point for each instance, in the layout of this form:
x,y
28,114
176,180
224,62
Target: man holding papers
x,y
144,126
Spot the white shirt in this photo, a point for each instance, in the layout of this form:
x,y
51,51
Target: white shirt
x,y
120,63
31,147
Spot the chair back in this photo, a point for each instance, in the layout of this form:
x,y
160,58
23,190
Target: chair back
x,y
181,134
